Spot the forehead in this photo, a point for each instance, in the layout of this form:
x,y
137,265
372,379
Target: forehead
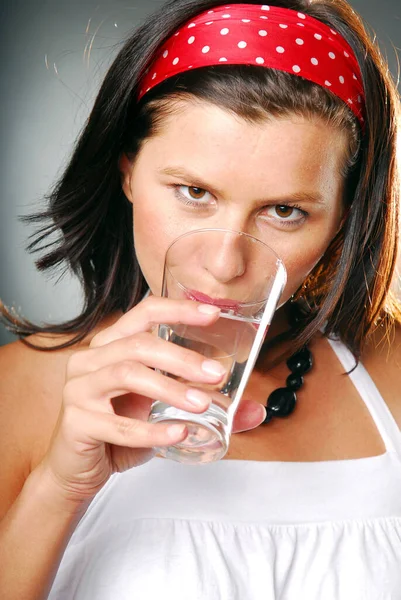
x,y
218,144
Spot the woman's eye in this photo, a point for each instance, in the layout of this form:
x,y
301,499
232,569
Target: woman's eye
x,y
287,214
284,211
196,193
192,195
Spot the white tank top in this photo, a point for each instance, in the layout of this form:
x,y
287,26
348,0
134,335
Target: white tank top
x,y
246,530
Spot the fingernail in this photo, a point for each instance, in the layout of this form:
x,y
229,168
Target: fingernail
x,y
212,367
197,398
175,431
208,309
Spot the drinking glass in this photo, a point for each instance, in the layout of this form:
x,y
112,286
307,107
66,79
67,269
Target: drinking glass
x,y
245,278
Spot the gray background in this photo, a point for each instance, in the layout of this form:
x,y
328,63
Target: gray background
x,y
54,54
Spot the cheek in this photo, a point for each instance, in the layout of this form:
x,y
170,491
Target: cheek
x,y
152,237
313,241
300,263
297,272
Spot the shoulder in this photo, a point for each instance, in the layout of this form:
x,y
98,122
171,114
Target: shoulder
x,y
31,389
382,359
31,386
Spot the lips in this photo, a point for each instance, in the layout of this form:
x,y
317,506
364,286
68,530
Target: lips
x,y
205,299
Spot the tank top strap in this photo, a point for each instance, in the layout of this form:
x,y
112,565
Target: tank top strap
x,y
378,409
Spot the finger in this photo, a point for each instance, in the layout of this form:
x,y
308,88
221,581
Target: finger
x,y
151,351
126,458
95,390
93,427
250,414
153,311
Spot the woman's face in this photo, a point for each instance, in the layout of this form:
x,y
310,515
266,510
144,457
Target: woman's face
x,y
279,181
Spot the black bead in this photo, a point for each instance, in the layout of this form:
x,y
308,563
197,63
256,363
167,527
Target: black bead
x,y
301,362
281,402
294,382
269,416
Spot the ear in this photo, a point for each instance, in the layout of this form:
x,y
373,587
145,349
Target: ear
x,y
125,168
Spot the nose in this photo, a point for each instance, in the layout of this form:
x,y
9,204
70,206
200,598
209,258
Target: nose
x,y
225,258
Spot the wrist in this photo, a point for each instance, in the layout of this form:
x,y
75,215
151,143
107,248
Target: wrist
x,y
43,483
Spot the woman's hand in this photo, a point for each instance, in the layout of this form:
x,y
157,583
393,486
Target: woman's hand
x,y
102,426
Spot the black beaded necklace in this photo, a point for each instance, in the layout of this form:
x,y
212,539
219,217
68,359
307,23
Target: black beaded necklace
x,y
281,402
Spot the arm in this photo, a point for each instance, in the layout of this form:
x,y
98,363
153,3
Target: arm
x,y
61,436
61,439
36,522
33,537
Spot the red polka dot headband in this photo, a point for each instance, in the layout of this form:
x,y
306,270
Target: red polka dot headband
x,y
268,36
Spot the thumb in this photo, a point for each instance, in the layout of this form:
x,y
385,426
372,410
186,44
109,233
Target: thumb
x,y
250,414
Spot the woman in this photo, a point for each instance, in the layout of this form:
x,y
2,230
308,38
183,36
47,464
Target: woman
x,y
278,120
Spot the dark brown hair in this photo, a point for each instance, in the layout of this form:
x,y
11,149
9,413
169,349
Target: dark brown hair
x,y
350,288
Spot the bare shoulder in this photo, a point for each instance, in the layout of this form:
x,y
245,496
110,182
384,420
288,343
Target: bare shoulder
x,y
30,378
31,389
31,385
382,359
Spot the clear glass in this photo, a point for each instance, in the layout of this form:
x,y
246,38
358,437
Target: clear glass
x,y
245,278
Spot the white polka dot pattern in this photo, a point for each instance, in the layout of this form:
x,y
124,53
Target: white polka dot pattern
x,y
288,41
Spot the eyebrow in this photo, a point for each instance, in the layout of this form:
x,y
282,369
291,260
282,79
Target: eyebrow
x,y
196,181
